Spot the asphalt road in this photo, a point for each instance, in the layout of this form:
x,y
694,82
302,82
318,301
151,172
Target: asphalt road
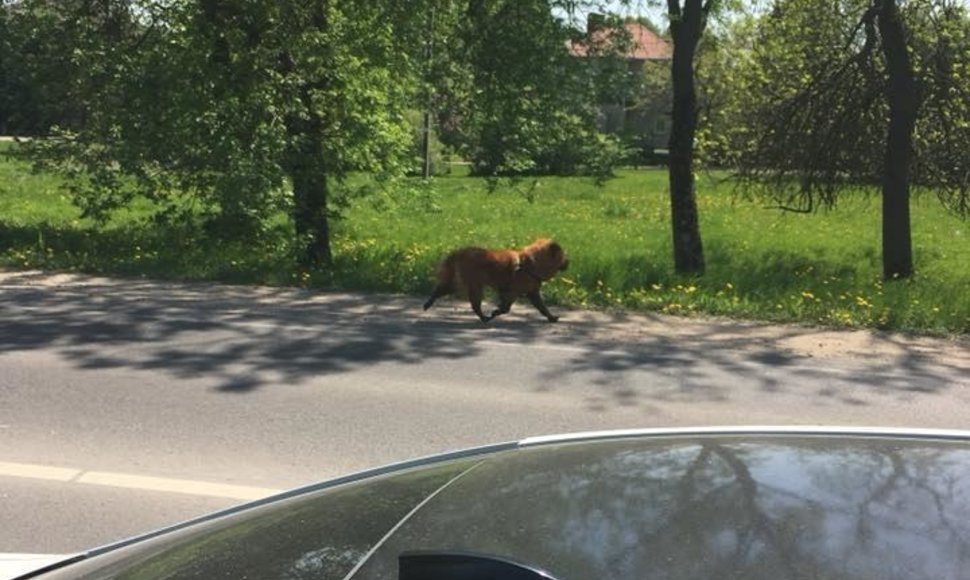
x,y
126,405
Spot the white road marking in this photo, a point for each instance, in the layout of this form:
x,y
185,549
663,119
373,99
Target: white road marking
x,y
38,471
132,481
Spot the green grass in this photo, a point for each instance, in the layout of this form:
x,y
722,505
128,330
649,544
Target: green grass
x,y
761,264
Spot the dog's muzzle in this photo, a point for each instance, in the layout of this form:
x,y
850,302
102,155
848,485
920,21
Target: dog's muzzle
x,y
565,264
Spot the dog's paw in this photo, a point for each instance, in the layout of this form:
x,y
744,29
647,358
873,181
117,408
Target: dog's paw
x,y
552,318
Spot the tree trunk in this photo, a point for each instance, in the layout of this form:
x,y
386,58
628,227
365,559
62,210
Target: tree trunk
x,y
897,251
306,166
310,213
687,25
305,162
426,120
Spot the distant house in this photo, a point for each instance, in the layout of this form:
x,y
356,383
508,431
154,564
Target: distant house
x,y
637,120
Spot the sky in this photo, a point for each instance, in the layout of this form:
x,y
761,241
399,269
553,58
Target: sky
x,y
655,10
652,9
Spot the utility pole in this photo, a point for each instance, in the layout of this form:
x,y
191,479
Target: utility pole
x,y
426,124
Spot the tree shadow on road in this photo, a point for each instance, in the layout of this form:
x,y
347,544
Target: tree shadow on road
x,y
248,336
713,360
245,338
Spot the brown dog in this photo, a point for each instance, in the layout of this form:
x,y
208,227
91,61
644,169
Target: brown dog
x,y
511,273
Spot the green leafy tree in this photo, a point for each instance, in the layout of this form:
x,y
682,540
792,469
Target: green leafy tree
x,y
516,101
235,110
859,94
241,108
941,47
44,49
723,62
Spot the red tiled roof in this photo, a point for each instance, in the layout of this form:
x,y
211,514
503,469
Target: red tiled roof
x,y
645,44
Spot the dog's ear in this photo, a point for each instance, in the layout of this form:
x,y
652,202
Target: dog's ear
x,y
555,249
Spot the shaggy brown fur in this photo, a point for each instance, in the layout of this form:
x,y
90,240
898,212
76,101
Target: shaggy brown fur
x,y
512,273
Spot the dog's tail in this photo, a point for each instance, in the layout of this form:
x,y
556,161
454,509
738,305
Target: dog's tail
x,y
446,271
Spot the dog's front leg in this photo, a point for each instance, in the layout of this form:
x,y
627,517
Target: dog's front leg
x,y
536,300
505,304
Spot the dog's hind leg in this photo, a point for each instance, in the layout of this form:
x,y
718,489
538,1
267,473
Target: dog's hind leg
x,y
536,300
439,291
475,298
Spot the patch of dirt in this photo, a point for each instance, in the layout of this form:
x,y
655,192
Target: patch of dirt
x,y
795,339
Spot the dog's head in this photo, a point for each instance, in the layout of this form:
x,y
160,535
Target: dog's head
x,y
543,259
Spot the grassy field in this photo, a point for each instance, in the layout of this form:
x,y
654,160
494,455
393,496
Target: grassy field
x,y
762,264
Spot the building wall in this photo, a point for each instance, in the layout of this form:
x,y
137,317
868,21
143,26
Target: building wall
x,y
644,123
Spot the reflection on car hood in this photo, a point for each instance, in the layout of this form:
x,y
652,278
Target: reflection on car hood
x,y
710,507
656,505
